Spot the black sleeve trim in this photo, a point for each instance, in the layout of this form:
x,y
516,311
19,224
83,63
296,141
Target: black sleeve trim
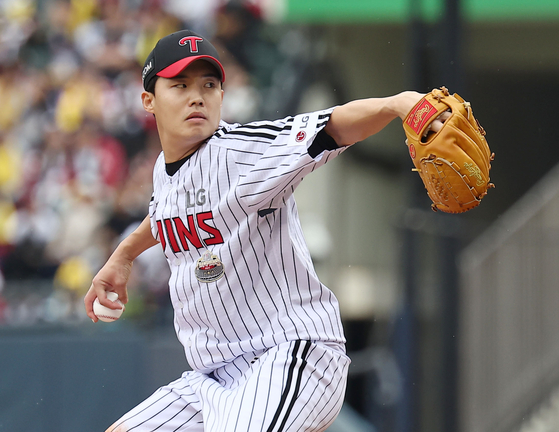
x,y
265,212
322,142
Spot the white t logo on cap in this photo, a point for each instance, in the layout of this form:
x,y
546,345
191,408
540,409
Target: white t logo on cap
x,y
193,40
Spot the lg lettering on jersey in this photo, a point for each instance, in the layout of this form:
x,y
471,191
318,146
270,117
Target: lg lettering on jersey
x,y
182,235
304,125
301,135
192,41
195,198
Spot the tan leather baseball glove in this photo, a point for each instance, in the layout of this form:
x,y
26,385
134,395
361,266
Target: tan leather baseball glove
x,y
454,161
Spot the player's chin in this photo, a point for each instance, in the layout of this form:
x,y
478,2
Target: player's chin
x,y
196,122
199,132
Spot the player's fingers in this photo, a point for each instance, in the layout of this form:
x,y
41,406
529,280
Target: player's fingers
x,y
88,303
109,303
439,121
99,290
436,126
122,295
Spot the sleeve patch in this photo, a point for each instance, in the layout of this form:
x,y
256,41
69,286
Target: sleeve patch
x,y
304,127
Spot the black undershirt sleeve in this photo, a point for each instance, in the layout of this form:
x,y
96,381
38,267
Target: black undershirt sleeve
x,y
322,142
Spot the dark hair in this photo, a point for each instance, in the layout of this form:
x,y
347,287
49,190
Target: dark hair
x,y
151,87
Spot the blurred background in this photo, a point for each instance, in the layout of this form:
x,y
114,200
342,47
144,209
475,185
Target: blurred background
x,y
451,320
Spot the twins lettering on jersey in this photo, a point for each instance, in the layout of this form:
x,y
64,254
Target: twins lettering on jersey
x,y
182,234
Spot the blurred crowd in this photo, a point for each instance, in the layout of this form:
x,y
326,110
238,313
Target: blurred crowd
x,y
77,148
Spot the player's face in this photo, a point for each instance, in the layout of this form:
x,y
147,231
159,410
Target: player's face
x,y
187,107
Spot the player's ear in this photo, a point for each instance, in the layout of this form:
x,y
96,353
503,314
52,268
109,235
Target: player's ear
x,y
147,101
222,93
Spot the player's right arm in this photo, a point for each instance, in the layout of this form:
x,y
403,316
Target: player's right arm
x,y
114,275
359,119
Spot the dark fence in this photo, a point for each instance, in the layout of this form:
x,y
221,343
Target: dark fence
x,y
509,354
64,380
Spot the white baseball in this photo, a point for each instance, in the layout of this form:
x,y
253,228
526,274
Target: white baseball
x,y
104,313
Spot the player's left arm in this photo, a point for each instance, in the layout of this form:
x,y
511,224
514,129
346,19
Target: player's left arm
x,y
114,275
359,119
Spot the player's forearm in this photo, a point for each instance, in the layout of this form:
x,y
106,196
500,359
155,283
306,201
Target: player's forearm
x,y
140,240
359,119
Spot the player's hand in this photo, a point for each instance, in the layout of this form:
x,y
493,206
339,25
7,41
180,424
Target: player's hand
x,y
112,277
438,123
405,101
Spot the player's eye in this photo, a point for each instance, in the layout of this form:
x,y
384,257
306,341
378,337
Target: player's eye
x,y
180,86
210,84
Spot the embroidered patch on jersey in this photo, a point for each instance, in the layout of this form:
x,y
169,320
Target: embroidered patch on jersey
x,y
209,268
304,126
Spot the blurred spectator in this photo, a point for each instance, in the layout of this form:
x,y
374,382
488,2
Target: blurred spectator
x,y
76,147
241,32
242,100
16,22
195,15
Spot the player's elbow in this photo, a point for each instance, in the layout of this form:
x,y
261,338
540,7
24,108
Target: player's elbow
x,y
342,139
343,129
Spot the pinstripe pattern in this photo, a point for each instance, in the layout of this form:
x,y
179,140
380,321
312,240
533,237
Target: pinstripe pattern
x,y
296,386
247,335
270,293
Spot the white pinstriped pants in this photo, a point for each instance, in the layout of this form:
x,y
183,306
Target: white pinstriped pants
x,y
295,386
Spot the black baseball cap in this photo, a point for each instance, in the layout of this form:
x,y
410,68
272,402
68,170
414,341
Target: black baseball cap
x,y
175,52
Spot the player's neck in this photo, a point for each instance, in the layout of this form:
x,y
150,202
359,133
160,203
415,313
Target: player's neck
x,y
174,151
172,155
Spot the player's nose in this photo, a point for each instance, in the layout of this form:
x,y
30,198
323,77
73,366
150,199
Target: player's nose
x,y
197,101
196,98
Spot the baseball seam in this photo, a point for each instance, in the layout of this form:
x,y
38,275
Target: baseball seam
x,y
108,317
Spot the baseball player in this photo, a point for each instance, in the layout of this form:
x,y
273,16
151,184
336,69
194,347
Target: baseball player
x,y
261,333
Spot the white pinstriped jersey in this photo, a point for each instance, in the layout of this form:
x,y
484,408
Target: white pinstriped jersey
x,y
234,196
